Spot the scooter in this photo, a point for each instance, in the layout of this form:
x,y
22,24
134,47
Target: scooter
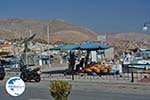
x,y
28,74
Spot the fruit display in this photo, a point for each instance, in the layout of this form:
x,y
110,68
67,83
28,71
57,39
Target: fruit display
x,y
97,68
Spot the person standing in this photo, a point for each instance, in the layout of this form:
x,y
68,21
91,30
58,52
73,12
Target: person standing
x,y
72,61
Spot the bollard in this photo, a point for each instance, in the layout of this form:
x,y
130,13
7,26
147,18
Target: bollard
x,y
146,71
132,77
138,73
72,76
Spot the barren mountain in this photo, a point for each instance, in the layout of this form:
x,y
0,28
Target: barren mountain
x,y
59,31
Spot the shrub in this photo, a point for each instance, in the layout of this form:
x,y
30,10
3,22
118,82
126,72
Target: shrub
x,y
60,90
4,53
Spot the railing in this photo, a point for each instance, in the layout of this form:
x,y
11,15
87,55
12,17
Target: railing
x,y
121,77
84,77
10,72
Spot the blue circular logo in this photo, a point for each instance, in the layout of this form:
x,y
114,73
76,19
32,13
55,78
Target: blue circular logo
x,y
15,86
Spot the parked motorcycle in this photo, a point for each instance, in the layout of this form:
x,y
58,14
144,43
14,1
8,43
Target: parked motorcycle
x,y
28,74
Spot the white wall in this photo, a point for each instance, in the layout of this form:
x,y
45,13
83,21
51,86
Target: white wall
x,y
109,53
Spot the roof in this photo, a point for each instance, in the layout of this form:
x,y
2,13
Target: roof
x,y
70,47
85,46
93,46
67,47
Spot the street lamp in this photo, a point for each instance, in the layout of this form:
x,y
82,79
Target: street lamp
x,y
145,26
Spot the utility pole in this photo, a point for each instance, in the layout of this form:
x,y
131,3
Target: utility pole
x,y
49,65
48,34
30,31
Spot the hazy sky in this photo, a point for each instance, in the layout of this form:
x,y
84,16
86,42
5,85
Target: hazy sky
x,y
97,15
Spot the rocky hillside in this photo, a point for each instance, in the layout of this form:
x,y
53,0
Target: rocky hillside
x,y
125,41
59,31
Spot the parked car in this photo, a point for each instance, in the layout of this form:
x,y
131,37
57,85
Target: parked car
x,y
2,72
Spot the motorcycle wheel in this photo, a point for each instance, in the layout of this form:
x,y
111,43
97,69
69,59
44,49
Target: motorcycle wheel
x,y
1,78
24,78
38,79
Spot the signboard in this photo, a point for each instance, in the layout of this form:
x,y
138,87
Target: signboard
x,y
101,38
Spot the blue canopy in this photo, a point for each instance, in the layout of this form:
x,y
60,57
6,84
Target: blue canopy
x,y
67,47
93,46
70,47
86,46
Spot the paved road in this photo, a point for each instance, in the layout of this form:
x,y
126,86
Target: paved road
x,y
33,91
82,91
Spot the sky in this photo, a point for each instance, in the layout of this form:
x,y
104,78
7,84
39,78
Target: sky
x,y
97,15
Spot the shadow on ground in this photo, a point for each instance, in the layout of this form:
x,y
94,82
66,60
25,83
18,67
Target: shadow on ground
x,y
54,72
